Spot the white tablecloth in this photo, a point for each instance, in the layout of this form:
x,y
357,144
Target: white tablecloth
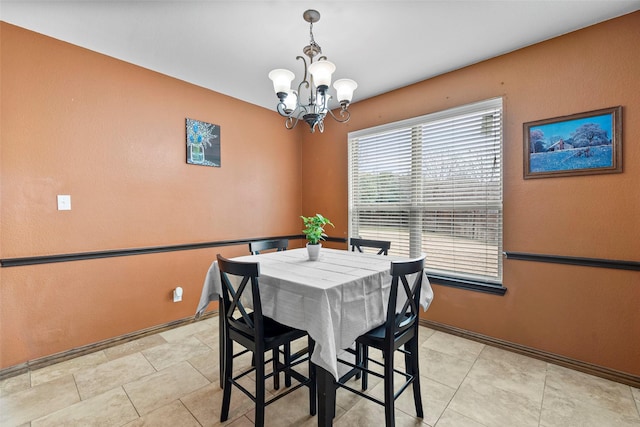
x,y
335,299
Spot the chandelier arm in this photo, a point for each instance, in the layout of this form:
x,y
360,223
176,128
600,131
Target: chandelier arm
x,y
304,61
344,114
282,111
290,123
304,83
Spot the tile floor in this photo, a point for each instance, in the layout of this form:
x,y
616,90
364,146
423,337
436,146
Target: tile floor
x,y
171,379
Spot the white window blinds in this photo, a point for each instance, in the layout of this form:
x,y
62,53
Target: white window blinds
x,y
433,185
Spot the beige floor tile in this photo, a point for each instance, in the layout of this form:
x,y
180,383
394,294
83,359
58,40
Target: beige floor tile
x,y
67,367
115,373
347,400
291,410
443,368
511,359
208,364
112,408
493,406
452,345
591,390
172,415
168,354
156,390
510,372
636,397
206,403
424,333
23,406
453,419
313,421
201,326
211,339
366,413
559,410
240,422
135,346
435,398
464,384
14,384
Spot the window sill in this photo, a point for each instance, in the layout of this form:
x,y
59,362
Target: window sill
x,y
467,284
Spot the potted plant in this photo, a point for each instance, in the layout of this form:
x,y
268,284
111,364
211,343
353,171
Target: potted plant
x,y
314,230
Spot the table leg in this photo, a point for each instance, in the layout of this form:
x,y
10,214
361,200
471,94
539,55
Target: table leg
x,y
326,397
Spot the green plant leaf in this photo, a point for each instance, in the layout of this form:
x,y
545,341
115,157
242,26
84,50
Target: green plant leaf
x,y
314,228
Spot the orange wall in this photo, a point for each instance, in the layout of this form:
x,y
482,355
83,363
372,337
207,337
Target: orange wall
x,y
584,313
112,135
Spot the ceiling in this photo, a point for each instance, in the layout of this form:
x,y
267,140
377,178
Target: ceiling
x,y
230,46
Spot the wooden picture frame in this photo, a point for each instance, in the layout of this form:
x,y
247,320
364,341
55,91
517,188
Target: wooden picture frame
x,y
578,144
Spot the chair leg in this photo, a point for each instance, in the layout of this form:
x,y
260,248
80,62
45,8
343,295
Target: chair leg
x,y
412,366
287,362
389,402
365,364
260,390
358,359
313,381
221,340
228,373
275,353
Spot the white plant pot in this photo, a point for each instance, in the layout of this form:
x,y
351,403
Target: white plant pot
x,y
314,251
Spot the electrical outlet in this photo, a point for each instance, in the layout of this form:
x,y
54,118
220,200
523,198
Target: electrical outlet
x,y
177,294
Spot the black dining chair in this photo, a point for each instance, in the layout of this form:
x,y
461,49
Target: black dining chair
x,y
263,245
358,243
257,334
255,248
399,333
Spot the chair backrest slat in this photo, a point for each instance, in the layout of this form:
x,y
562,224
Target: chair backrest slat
x,y
262,245
357,244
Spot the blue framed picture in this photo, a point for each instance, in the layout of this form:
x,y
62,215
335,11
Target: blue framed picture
x,y
579,144
203,143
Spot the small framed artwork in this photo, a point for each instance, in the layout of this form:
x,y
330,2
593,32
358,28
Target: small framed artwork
x,y
203,143
579,144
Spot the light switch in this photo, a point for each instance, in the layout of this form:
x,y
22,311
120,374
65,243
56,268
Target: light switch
x,y
64,202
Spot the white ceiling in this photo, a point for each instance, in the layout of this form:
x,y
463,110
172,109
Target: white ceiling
x,y
230,46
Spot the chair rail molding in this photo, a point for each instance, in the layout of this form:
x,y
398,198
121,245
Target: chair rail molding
x,y
585,262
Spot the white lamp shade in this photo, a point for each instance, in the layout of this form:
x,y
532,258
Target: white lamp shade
x,y
344,89
321,72
291,100
281,79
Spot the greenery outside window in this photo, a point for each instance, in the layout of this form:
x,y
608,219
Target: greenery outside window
x,y
433,184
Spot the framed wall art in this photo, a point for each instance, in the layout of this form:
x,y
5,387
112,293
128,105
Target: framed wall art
x,y
203,143
578,144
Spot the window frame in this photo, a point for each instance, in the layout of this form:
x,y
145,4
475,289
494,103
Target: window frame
x,y
410,126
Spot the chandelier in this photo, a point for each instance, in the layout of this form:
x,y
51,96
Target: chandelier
x,y
314,107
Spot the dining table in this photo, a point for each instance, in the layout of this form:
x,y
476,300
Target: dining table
x,y
335,299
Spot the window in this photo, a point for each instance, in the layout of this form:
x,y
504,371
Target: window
x,y
433,185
